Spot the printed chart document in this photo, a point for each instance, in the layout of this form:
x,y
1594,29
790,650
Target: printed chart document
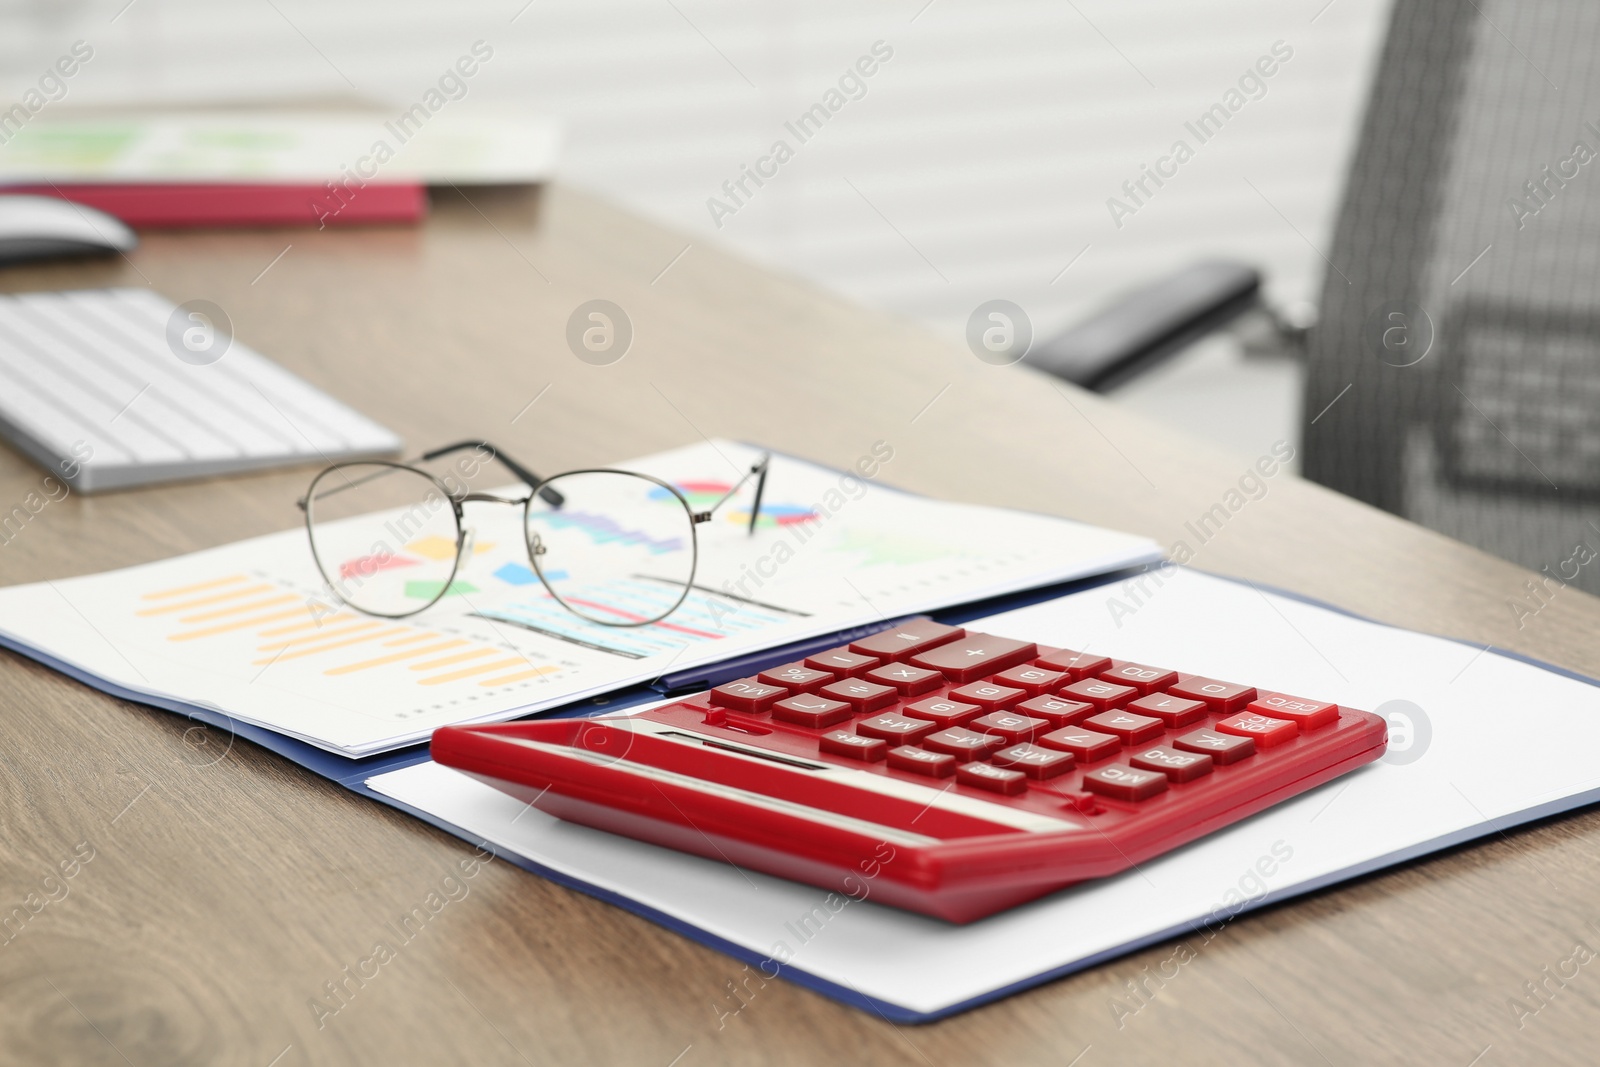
x,y
1449,777
251,630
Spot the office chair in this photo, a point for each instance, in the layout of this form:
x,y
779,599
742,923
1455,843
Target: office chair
x,y
1454,374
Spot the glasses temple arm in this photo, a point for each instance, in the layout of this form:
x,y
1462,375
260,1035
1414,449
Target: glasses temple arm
x,y
532,480
759,471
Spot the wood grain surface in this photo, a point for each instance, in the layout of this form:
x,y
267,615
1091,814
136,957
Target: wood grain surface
x,y
227,886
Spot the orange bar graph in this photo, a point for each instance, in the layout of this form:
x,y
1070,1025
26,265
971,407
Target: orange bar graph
x,y
198,587
217,613
185,605
489,683
395,657
468,672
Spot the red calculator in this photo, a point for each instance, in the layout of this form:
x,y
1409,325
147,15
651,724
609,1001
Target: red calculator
x,y
929,767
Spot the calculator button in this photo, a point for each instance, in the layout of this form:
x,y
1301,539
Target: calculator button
x,y
907,680
968,744
796,677
987,695
1034,761
1221,697
1306,714
862,695
1125,783
853,746
1222,748
1087,745
1264,728
748,695
998,779
1031,680
907,639
1010,725
1075,665
1174,711
1103,695
1177,766
1056,711
842,662
974,656
893,727
1132,729
942,712
1144,678
921,761
812,710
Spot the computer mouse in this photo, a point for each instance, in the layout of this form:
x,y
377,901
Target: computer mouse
x,y
43,227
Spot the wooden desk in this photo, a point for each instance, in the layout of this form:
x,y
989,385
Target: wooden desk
x,y
222,896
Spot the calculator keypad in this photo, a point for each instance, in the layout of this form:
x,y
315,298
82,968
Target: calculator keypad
x,y
1013,721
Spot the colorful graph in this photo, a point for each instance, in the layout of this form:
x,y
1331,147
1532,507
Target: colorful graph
x,y
288,627
702,495
604,530
699,618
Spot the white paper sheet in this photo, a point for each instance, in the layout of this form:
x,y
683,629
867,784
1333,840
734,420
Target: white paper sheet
x,y
250,630
1453,773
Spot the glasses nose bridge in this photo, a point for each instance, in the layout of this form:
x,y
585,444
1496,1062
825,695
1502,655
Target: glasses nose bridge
x,y
490,498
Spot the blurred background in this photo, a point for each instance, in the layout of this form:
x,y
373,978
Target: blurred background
x,y
1004,150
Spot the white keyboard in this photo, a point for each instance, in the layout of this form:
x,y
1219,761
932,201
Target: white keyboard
x,y
108,389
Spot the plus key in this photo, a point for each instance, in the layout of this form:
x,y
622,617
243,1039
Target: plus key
x,y
975,656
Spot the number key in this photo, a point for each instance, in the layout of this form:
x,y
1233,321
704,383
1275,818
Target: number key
x,y
1133,729
987,695
1145,679
1103,695
1174,711
1177,766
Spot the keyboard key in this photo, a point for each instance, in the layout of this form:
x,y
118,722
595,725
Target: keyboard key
x,y
1264,728
748,695
907,639
921,761
811,710
907,680
974,656
942,712
842,662
796,677
1222,748
1145,679
1174,711
997,779
1056,711
1125,783
1086,745
1075,665
894,727
968,744
1034,761
1224,698
1306,714
853,746
1010,725
1103,695
1177,766
860,694
1032,680
1132,729
987,695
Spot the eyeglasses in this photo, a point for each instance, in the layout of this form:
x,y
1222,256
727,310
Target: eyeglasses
x,y
613,547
